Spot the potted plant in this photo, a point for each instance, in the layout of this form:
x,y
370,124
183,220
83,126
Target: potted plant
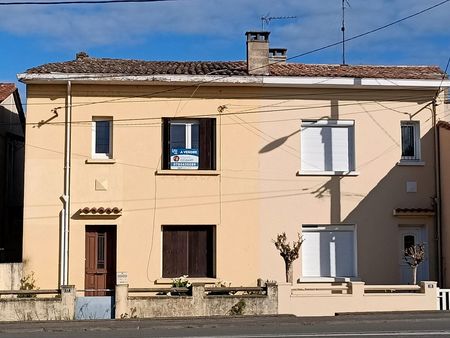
x,y
181,282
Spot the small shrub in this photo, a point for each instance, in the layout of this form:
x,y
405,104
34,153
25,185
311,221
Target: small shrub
x,y
28,282
132,314
289,254
414,256
238,308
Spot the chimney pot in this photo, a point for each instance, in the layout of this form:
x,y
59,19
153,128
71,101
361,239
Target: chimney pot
x,y
81,55
277,55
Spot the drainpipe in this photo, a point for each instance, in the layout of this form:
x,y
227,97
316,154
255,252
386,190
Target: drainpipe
x,y
65,217
437,176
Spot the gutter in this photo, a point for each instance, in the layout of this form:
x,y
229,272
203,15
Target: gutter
x,y
65,198
216,80
437,168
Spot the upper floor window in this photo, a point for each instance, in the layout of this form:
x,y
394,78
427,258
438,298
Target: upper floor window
x,y
189,144
410,140
101,137
327,146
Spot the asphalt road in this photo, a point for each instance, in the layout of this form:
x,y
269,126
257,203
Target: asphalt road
x,y
429,324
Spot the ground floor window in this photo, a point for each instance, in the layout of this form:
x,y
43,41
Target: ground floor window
x,y
329,251
188,250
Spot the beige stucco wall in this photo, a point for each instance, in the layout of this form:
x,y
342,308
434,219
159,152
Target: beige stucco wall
x,y
355,299
255,193
444,150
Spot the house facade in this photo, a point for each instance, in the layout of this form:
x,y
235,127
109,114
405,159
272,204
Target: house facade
x,y
153,170
12,155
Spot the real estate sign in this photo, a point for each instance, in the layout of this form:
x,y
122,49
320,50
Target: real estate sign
x,y
183,158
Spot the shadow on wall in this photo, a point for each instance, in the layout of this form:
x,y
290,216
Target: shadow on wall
x,y
378,242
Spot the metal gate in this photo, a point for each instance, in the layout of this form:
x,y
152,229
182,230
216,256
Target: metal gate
x,y
96,307
444,299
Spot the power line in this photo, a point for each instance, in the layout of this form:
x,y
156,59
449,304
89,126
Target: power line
x,y
232,113
289,58
75,2
371,31
259,109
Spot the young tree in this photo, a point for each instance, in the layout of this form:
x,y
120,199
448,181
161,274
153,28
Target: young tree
x,y
413,256
289,254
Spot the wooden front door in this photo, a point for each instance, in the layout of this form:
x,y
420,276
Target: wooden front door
x,y
100,266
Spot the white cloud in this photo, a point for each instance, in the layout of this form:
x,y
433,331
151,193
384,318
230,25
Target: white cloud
x,y
317,24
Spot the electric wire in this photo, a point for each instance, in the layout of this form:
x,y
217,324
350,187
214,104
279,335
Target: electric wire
x,y
289,58
75,2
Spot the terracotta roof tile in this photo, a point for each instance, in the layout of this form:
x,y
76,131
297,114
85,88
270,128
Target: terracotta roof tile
x,y
6,89
418,210
88,65
444,124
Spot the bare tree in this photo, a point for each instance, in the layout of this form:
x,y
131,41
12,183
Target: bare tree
x,y
413,256
289,254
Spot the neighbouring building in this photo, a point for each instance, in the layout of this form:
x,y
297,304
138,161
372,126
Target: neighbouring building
x,y
157,169
12,154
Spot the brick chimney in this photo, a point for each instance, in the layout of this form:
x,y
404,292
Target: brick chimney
x,y
258,53
277,55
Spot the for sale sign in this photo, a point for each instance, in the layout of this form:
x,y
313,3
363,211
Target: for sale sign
x,y
183,158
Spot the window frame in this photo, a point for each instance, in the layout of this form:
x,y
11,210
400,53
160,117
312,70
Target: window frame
x,y
416,142
206,139
190,228
351,150
94,153
332,228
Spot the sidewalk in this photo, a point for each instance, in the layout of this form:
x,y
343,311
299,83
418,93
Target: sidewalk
x,y
214,322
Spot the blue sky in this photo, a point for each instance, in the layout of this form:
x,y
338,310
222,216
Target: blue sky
x,y
214,30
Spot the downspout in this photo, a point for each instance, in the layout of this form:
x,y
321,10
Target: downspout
x,y
437,176
64,269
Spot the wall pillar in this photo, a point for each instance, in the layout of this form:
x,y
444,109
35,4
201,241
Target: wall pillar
x,y
68,296
431,292
284,298
356,288
198,299
121,301
272,297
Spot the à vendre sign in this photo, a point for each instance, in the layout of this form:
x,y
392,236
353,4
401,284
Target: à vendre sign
x,y
184,158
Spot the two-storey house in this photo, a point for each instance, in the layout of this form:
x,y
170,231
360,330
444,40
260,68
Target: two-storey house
x,y
157,169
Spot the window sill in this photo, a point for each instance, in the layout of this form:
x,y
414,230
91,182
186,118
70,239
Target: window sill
x,y
100,161
327,173
327,279
184,172
411,163
203,280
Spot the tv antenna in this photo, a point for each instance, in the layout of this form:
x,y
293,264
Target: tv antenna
x,y
265,20
344,4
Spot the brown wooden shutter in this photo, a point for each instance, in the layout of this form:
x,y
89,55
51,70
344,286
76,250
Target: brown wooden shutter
x,y
201,252
175,252
207,144
165,143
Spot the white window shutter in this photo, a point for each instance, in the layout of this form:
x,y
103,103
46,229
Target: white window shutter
x,y
327,146
311,262
313,149
328,253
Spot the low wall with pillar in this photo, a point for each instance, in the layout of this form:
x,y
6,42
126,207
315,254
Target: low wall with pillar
x,y
327,299
37,305
201,303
